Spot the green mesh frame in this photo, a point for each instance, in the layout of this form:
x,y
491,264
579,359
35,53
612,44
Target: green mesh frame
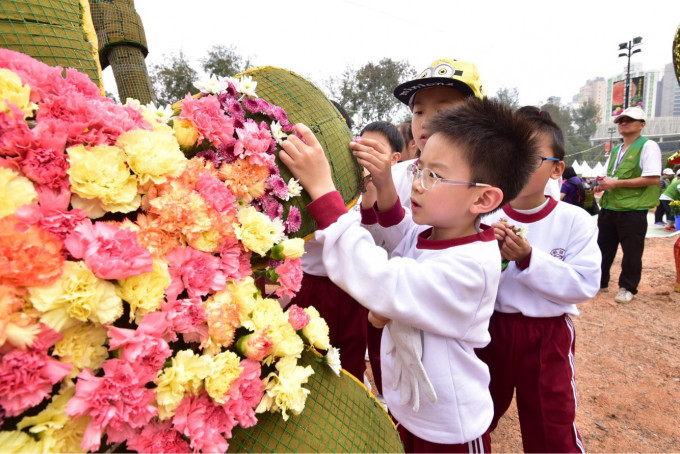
x,y
51,31
676,54
122,44
340,415
305,103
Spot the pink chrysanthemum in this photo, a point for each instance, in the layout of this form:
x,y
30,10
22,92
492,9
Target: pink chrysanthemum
x,y
204,422
231,106
158,437
271,207
197,272
294,220
207,116
290,277
117,403
297,317
109,251
278,186
27,376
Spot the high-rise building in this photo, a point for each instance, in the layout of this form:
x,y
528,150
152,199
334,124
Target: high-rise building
x,y
668,94
594,90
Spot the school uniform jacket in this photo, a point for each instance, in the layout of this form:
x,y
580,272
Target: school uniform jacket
x,y
444,288
563,268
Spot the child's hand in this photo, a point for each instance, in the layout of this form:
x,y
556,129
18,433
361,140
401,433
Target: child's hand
x,y
375,158
370,194
499,228
377,320
307,162
514,247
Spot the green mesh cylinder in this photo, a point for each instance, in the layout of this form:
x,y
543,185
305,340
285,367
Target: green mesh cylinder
x,y
340,415
305,103
676,54
52,31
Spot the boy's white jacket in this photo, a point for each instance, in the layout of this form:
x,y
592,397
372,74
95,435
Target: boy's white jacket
x,y
446,290
565,265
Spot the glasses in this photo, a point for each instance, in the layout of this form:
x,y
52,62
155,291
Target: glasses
x,y
428,179
542,160
627,120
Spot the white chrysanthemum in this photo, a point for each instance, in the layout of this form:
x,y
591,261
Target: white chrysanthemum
x,y
161,113
246,86
333,360
277,132
213,85
294,188
523,231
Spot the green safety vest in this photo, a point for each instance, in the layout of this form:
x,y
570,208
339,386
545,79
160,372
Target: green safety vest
x,y
629,199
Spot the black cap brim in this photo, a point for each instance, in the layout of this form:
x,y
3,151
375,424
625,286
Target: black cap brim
x,y
405,91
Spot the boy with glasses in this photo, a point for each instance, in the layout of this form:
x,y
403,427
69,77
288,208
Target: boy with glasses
x,y
435,285
553,266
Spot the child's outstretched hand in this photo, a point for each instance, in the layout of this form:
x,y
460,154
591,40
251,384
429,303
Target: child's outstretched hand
x,y
375,158
307,162
514,247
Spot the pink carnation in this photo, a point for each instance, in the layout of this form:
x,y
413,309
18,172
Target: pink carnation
x,y
204,422
195,271
206,115
216,193
188,317
16,137
27,376
256,346
297,317
109,251
159,436
143,347
81,83
59,222
290,277
43,79
256,142
292,223
245,394
117,403
235,260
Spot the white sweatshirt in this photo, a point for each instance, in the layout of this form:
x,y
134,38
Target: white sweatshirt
x,y
444,288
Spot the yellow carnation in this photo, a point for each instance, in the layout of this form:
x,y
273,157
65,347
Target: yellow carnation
x,y
77,295
185,375
185,132
284,392
256,231
245,294
145,292
16,441
267,314
15,191
292,248
101,181
12,91
83,346
56,431
152,155
286,342
316,330
222,314
224,370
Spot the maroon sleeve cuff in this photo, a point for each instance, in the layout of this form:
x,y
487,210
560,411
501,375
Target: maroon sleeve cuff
x,y
392,216
524,264
327,209
368,216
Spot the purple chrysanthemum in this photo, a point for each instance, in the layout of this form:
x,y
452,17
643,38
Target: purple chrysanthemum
x,y
292,223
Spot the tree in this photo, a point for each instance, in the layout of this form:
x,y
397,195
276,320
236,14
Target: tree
x,y
366,93
508,96
173,79
224,61
585,118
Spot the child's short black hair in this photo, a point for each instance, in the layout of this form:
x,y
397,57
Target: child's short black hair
x,y
543,122
498,144
390,132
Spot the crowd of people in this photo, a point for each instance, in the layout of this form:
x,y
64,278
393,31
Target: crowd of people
x,y
462,265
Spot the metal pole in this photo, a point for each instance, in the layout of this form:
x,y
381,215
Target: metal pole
x,y
627,102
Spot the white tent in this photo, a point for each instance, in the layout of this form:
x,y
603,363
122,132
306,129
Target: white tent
x,y
585,170
577,167
599,169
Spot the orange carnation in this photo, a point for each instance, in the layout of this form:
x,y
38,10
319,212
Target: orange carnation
x,y
244,179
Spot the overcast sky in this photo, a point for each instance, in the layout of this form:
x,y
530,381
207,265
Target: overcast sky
x,y
544,48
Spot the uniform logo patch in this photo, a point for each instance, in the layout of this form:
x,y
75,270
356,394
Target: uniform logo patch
x,y
558,253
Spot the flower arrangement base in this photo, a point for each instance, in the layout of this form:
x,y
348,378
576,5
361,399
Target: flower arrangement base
x,y
340,415
306,103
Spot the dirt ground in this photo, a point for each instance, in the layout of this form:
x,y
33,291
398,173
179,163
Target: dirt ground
x,y
627,365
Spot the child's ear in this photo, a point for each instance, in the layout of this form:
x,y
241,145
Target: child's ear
x,y
558,170
396,156
488,200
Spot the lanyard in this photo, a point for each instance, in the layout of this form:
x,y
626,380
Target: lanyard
x,y
619,158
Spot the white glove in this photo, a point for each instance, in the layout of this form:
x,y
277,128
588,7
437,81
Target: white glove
x,y
409,374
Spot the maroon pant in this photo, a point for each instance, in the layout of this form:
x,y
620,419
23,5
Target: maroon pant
x,y
413,443
373,337
535,357
345,317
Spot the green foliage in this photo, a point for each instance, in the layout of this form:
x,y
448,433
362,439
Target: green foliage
x,y
366,93
173,79
585,118
224,61
508,96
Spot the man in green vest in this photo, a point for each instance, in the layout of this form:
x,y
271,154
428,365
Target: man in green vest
x,y
631,188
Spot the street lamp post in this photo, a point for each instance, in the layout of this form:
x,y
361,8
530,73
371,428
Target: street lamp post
x,y
611,136
630,50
